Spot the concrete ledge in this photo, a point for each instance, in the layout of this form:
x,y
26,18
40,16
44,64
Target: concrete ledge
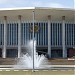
x,y
11,66
71,59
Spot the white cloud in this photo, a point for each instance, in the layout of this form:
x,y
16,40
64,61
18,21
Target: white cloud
x,y
48,4
29,3
74,3
3,1
57,5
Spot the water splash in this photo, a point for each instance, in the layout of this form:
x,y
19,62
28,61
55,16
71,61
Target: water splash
x,y
26,61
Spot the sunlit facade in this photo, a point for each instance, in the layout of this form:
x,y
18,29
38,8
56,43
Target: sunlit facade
x,y
55,35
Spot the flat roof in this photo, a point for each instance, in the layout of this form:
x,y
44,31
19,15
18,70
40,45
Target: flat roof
x,y
41,13
21,8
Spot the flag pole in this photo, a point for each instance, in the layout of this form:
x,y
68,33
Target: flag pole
x,y
33,40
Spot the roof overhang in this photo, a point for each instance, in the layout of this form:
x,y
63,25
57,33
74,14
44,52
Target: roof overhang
x,y
41,13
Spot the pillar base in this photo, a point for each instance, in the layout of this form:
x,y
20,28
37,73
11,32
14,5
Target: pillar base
x,y
48,56
19,53
65,53
3,53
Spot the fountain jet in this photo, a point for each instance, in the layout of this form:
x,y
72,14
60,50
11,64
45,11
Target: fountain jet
x,y
26,60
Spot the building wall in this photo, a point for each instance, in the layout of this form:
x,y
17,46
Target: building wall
x,y
12,33
41,35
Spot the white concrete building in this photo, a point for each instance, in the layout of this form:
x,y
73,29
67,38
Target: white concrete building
x,y
54,31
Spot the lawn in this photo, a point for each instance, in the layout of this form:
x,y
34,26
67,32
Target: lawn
x,y
37,72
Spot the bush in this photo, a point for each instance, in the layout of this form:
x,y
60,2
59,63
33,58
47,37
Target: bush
x,y
73,57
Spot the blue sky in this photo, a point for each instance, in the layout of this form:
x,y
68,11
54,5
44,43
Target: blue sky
x,y
37,3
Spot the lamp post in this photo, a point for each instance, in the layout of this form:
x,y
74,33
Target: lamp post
x,y
33,41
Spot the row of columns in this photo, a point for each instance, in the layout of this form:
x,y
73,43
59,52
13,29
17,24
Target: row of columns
x,y
19,36
5,37
63,37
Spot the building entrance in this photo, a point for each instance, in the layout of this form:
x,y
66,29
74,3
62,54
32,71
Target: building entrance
x,y
57,53
0,52
12,53
70,52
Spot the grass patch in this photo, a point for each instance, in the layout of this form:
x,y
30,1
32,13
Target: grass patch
x,y
37,73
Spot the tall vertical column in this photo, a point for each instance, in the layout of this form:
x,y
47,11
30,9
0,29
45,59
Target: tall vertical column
x,y
63,36
5,37
19,36
49,36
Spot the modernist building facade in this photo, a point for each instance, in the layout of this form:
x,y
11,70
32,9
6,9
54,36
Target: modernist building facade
x,y
54,31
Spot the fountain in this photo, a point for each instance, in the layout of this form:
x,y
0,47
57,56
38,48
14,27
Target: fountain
x,y
26,60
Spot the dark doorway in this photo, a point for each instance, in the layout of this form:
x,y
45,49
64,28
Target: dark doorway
x,y
70,52
42,51
12,53
57,53
0,52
